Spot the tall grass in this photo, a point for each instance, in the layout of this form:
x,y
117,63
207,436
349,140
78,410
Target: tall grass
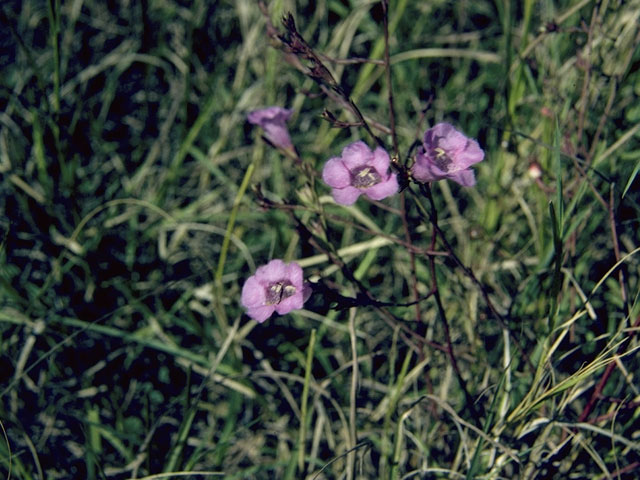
x,y
484,332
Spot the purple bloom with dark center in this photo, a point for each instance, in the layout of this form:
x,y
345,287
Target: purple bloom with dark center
x,y
447,153
275,287
360,171
273,121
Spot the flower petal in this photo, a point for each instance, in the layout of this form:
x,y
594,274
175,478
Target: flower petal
x,y
381,161
307,290
294,275
471,154
277,134
273,121
260,314
466,178
335,173
346,196
257,117
253,293
274,271
356,154
424,170
383,189
433,136
452,141
294,302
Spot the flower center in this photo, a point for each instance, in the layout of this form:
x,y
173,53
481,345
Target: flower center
x,y
278,291
365,177
441,159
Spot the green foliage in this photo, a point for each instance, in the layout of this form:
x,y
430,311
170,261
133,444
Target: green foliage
x,y
137,200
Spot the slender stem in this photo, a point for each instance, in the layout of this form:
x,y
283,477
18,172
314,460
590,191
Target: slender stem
x,y
353,436
469,273
54,18
595,396
616,246
350,61
356,111
305,397
603,120
583,102
387,71
412,256
443,316
317,71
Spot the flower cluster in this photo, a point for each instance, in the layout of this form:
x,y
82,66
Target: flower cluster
x,y
445,153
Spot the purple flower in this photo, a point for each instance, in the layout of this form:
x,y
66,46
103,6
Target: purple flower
x,y
447,153
276,287
358,171
273,121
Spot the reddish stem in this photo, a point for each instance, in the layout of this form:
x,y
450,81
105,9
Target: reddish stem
x,y
597,393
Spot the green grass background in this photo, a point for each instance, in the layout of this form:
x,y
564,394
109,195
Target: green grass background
x,y
124,352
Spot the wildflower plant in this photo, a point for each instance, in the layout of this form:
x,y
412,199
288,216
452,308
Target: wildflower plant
x,y
396,181
445,154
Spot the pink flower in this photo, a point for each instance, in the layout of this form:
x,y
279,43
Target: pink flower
x,y
275,287
273,121
447,153
360,171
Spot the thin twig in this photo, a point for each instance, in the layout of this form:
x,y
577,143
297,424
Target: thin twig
x,y
265,203
345,103
616,246
469,273
296,45
412,255
443,316
387,72
603,120
587,78
350,61
365,298
597,393
353,436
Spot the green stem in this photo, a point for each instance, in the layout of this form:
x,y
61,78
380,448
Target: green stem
x,y
305,397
